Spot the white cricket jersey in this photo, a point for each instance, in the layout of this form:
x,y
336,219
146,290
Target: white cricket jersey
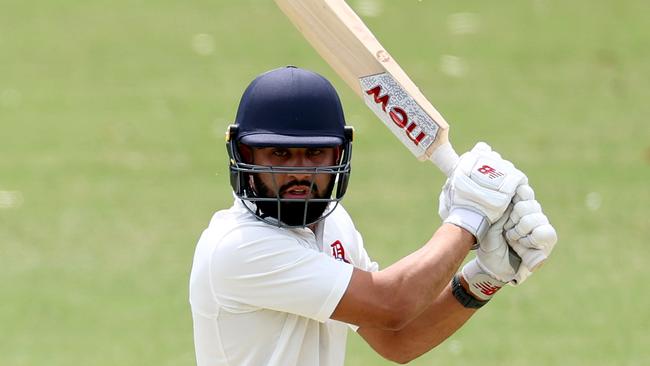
x,y
263,295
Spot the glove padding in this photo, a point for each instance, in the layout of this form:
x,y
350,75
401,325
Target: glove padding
x,y
479,190
495,263
527,227
495,258
522,228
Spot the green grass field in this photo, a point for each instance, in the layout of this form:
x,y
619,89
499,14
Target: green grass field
x,y
112,161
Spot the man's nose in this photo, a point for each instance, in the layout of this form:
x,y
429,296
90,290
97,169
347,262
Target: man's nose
x,y
300,175
297,161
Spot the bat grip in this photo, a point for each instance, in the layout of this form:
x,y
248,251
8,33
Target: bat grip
x,y
445,158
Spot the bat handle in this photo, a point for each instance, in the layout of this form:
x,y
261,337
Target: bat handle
x,y
446,158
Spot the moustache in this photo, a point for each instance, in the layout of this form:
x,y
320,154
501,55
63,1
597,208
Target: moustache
x,y
297,183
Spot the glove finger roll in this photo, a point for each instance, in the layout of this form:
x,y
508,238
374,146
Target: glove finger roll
x,y
524,193
544,236
524,208
514,179
528,223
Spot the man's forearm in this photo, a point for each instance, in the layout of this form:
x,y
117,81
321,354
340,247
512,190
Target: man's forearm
x,y
422,275
440,320
440,314
393,297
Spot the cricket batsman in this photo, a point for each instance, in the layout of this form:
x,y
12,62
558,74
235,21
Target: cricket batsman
x,y
282,276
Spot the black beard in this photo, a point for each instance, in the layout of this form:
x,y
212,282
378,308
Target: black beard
x,y
291,213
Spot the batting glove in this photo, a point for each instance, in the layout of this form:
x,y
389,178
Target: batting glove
x,y
479,190
521,229
495,264
528,228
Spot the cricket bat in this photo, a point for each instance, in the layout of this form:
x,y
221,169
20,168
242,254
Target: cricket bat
x,y
349,47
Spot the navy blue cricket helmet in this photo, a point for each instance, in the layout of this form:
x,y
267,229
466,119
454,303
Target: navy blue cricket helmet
x,y
289,107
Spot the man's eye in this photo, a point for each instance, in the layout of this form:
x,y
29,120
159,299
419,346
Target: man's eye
x,y
280,153
314,152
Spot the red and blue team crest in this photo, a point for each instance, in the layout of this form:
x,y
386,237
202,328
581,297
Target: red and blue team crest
x,y
338,251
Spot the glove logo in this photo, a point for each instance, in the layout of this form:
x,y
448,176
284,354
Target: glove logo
x,y
486,288
490,171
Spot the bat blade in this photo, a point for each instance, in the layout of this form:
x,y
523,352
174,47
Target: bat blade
x,y
342,39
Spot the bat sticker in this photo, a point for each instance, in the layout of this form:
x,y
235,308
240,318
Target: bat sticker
x,y
399,112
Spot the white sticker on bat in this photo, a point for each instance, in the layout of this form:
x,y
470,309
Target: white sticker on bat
x,y
399,112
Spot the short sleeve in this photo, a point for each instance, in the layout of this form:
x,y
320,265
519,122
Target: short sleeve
x,y
273,271
364,261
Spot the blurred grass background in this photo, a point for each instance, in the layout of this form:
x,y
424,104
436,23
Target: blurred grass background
x,y
111,163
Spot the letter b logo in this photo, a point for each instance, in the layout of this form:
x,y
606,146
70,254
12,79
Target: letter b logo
x,y
486,169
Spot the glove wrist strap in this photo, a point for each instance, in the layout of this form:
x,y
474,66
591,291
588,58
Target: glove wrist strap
x,y
472,221
480,284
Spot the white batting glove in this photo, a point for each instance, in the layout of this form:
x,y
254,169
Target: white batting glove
x,y
522,228
495,264
479,190
527,228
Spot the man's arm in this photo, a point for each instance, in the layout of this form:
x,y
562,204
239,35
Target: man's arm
x,y
481,278
439,321
408,308
392,298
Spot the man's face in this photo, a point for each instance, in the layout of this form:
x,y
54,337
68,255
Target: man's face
x,y
294,185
